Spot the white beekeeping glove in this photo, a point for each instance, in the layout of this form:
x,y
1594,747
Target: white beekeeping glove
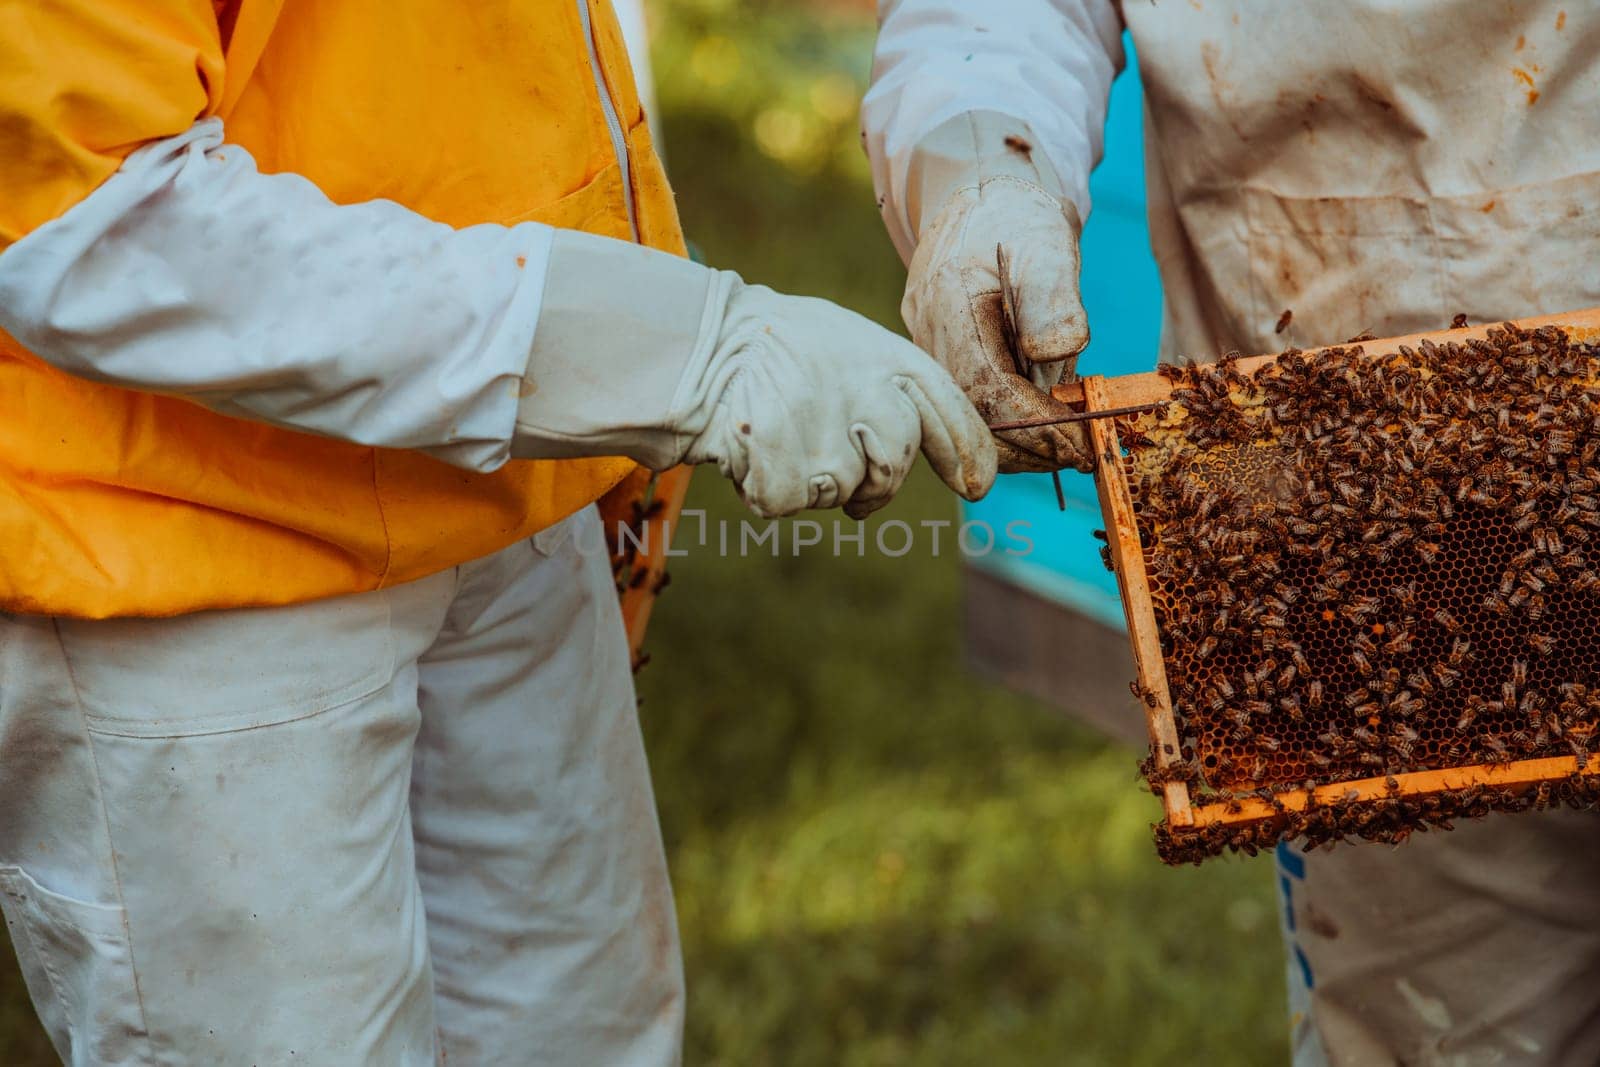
x,y
977,185
800,402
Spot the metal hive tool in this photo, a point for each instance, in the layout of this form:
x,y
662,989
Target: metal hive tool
x,y
1331,647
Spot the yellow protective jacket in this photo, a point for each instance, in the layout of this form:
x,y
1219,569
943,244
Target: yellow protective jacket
x,y
114,502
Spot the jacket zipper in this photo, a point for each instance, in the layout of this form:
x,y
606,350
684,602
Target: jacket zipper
x,y
619,142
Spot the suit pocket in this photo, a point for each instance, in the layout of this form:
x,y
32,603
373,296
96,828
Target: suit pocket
x,y
1341,265
222,671
78,968
1528,250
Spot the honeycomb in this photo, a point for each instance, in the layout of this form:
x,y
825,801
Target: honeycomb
x,y
1364,566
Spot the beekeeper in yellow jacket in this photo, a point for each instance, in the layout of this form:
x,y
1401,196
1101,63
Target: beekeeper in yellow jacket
x,y
317,734
1367,165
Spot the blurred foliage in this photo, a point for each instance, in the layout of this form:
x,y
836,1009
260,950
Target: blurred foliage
x,y
759,106
22,1040
878,859
790,75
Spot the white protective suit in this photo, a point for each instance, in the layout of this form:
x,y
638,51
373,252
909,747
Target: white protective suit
x,y
1368,166
403,827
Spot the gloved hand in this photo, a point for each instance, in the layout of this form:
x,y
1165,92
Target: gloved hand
x,y
800,402
976,184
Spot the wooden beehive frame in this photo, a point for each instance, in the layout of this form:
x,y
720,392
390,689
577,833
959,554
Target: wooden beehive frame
x,y
1183,812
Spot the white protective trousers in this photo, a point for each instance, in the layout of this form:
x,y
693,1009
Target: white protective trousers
x,y
405,827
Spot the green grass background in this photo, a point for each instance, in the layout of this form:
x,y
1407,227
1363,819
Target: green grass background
x,y
878,859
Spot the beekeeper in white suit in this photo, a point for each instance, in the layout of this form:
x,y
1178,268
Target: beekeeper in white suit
x,y
1367,166
322,328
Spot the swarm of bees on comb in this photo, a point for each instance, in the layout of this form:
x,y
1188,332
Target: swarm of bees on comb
x,y
1363,566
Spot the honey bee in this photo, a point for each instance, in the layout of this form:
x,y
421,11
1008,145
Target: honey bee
x,y
1399,537
1399,642
1419,681
1405,704
1360,608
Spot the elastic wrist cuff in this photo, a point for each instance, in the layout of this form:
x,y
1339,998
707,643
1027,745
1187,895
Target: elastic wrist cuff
x,y
623,335
964,151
